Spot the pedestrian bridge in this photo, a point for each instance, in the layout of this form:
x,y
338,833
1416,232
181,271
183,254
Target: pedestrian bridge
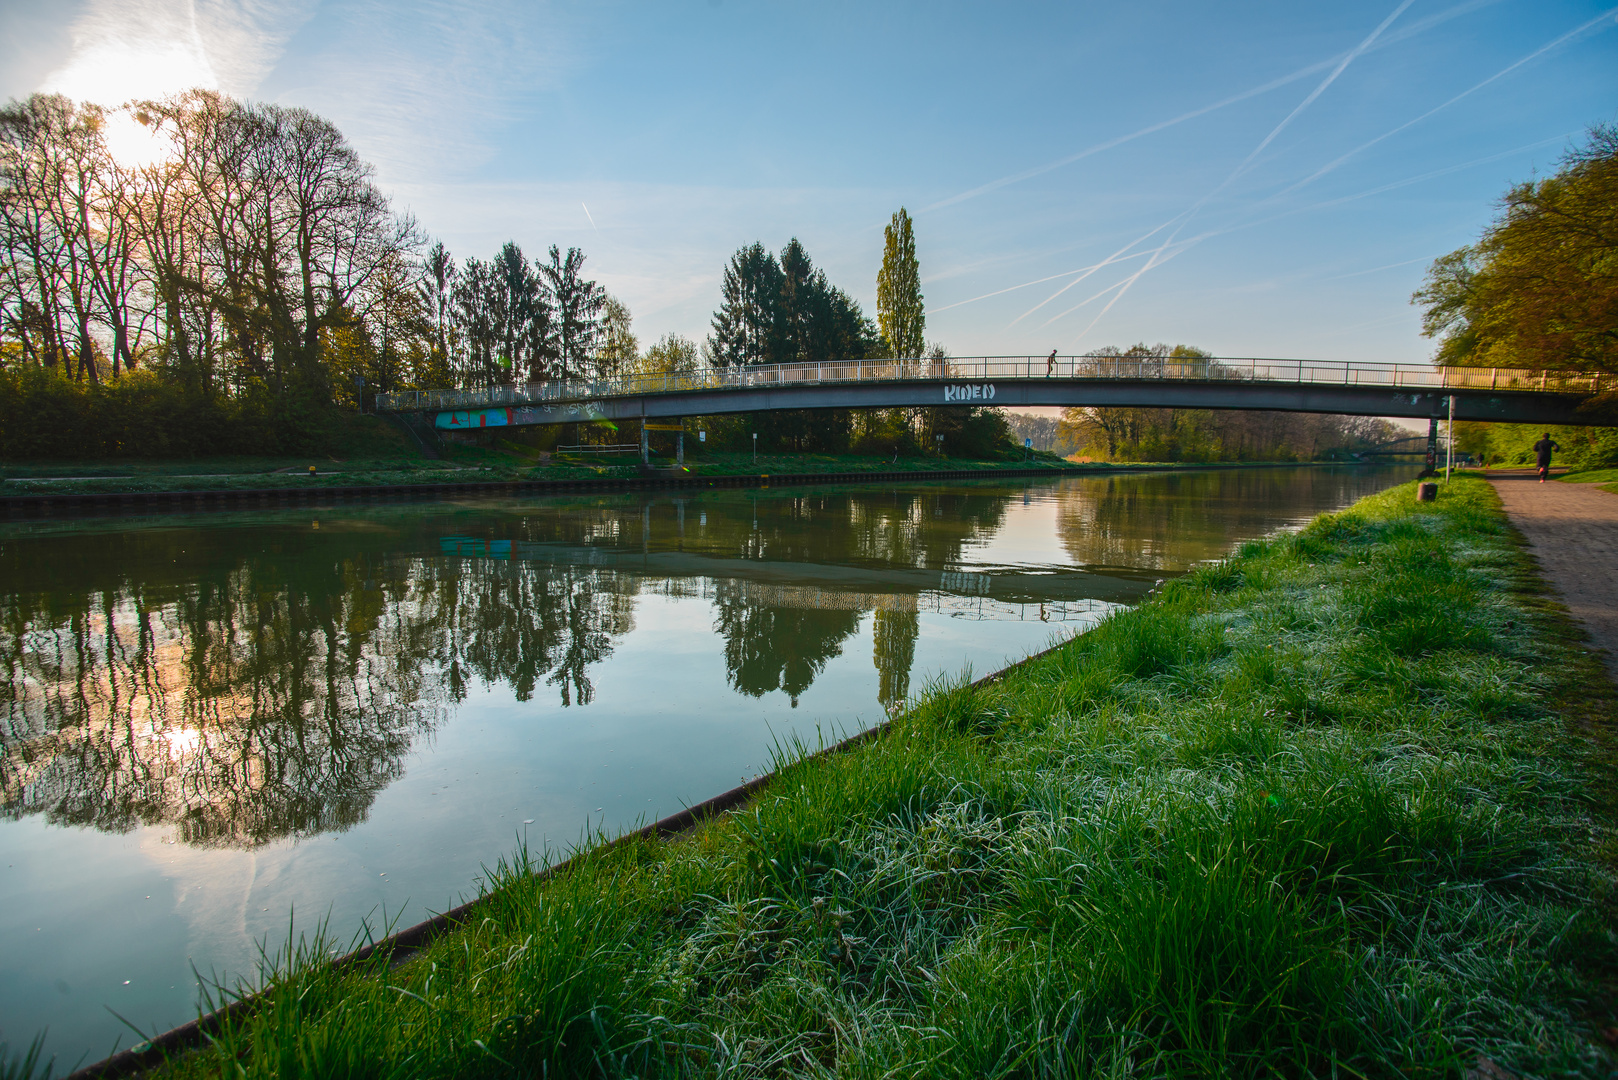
x,y
1418,391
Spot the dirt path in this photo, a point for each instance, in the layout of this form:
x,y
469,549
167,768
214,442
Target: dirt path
x,y
1572,529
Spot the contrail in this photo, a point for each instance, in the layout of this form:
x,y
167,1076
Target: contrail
x,y
1089,299
1191,242
1409,31
1124,287
1374,269
1536,54
1327,81
1117,256
1184,218
587,214
1273,84
1378,190
1150,129
1036,281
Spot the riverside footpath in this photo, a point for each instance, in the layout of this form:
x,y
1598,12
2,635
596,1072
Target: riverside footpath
x,y
1572,530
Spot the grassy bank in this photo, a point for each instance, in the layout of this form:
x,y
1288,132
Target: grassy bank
x,y
1607,478
1325,808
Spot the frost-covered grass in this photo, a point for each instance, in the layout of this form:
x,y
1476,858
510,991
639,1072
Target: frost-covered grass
x,y
1309,811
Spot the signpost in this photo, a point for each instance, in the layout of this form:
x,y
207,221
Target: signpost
x,y
1449,448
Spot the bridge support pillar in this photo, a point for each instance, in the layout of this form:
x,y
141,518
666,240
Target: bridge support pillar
x,y
679,449
645,446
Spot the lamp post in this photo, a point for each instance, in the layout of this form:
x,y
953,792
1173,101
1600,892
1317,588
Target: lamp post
x,y
755,448
359,392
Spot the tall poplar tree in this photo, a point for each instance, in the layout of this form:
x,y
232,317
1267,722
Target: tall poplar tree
x,y
899,312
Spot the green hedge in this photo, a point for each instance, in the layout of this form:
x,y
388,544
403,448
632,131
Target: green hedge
x,y
46,416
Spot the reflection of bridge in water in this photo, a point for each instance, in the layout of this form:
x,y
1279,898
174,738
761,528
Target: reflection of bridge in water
x,y
1418,391
828,587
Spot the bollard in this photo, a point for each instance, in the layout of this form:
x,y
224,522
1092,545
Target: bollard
x,y
1426,492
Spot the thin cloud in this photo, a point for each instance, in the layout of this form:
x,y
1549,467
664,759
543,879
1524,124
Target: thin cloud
x,y
124,49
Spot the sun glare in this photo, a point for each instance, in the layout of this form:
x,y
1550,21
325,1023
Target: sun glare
x,y
113,72
134,144
183,742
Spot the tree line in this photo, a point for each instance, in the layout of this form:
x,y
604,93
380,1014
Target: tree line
x,y
200,274
1192,435
242,252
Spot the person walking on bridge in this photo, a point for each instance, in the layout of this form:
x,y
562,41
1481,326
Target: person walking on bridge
x,y
1050,363
1542,451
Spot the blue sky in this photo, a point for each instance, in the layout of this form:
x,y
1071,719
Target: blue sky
x,y
1262,179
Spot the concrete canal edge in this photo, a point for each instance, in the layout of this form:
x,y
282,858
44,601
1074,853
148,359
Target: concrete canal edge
x,y
404,943
174,502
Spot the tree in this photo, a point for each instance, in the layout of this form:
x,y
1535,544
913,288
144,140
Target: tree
x,y
744,326
670,353
1540,289
578,304
899,311
785,312
619,352
437,283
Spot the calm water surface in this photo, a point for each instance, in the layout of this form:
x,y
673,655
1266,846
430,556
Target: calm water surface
x,y
215,725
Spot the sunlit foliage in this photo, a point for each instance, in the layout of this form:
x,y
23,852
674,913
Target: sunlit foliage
x,y
1540,288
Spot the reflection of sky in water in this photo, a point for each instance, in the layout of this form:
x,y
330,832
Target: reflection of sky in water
x,y
353,726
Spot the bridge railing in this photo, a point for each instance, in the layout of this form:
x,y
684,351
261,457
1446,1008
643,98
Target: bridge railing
x,y
986,368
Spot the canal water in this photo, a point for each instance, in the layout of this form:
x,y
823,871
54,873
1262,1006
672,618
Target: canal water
x,y
219,726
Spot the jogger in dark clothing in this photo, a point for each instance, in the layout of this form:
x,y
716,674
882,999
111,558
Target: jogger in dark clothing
x,y
1543,450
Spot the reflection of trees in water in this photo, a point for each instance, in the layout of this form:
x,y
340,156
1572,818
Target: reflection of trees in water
x,y
518,623
876,528
894,651
245,687
776,648
1174,521
248,707
235,714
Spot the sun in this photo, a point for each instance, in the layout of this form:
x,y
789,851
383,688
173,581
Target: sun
x,y
136,140
112,72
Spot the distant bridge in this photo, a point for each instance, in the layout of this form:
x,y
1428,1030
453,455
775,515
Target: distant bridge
x,y
1411,444
1417,391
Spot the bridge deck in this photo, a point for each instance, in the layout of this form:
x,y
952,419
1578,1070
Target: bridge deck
x,y
1370,388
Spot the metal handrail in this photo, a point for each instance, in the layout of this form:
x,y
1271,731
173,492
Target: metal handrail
x,y
1033,368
